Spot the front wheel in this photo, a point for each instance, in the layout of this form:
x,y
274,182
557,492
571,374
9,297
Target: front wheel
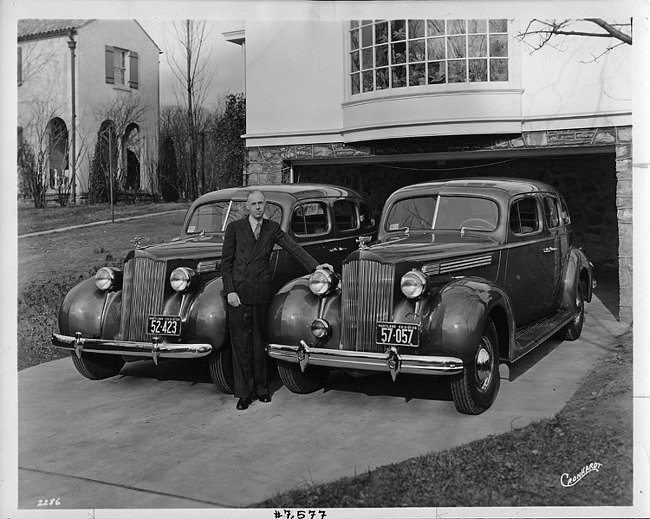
x,y
96,366
476,387
221,371
313,378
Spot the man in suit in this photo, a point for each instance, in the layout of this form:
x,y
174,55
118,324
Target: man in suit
x,y
247,248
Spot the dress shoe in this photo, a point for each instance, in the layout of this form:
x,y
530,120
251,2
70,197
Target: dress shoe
x,y
243,403
266,398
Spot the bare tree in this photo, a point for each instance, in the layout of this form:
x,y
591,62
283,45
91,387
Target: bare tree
x,y
39,138
123,111
189,61
540,33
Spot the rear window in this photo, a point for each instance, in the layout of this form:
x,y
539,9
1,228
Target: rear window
x,y
310,219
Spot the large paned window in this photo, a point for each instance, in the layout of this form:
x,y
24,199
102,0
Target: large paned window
x,y
410,53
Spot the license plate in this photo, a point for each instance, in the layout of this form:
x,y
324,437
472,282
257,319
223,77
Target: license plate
x,y
398,334
164,325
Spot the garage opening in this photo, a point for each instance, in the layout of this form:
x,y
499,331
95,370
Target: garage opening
x,y
588,182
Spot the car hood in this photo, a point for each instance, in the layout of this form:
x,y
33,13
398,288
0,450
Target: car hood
x,y
427,245
198,247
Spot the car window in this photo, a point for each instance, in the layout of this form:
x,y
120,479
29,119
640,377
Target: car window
x,y
310,219
551,212
524,218
412,213
214,216
366,217
466,212
566,217
345,215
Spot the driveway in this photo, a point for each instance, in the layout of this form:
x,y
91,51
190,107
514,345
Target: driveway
x,y
166,438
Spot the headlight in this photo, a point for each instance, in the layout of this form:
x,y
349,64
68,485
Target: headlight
x,y
108,278
320,329
181,278
322,282
414,284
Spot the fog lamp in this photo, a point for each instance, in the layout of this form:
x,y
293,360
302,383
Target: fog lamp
x,y
108,278
181,278
321,329
322,282
414,284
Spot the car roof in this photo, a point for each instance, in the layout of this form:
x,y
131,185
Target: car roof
x,y
281,192
494,186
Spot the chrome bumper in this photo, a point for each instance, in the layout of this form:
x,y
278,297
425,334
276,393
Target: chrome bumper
x,y
155,349
391,360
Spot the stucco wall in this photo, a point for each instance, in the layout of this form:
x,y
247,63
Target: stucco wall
x,y
297,90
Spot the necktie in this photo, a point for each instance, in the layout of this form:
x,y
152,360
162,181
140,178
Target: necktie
x,y
256,232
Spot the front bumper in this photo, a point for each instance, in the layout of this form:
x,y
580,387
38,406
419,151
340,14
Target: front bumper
x,y
391,360
154,349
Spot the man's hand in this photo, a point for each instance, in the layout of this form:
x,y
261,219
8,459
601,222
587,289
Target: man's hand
x,y
326,266
233,299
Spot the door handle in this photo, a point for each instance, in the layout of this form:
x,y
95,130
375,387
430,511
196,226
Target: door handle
x,y
549,249
338,249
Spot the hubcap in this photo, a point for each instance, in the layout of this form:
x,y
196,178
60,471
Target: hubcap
x,y
484,363
579,306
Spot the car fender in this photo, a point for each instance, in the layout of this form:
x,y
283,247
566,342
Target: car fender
x,y
207,318
294,308
578,266
82,310
453,318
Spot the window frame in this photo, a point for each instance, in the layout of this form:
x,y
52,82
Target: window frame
x,y
540,219
308,235
364,40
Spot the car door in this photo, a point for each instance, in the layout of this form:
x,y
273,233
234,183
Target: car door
x,y
311,226
530,278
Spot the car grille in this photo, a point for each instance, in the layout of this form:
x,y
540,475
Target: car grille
x,y
367,297
143,291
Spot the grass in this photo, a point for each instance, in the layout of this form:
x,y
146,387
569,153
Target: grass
x,y
520,468
53,216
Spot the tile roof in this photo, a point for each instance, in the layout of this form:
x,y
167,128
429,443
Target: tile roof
x,y
34,28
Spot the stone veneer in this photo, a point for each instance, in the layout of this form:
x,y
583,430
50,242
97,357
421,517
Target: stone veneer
x,y
271,165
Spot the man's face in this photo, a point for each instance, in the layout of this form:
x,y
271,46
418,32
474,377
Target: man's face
x,y
256,204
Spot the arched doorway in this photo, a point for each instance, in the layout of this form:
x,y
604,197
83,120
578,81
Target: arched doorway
x,y
133,145
57,132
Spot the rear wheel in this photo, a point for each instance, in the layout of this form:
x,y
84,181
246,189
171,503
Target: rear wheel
x,y
476,387
313,378
96,366
572,330
221,372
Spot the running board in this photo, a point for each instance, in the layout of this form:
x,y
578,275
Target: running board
x,y
528,337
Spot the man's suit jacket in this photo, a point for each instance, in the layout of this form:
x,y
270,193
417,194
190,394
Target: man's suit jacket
x,y
245,261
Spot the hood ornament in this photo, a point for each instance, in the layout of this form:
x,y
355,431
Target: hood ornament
x,y
138,241
363,242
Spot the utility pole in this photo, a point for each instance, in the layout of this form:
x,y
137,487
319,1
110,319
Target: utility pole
x,y
72,44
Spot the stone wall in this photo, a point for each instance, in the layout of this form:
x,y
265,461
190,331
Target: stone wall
x,y
598,188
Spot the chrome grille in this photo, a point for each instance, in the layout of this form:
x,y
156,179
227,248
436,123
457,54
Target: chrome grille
x,y
367,297
143,289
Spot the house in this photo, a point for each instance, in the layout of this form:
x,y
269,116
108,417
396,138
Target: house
x,y
103,75
380,103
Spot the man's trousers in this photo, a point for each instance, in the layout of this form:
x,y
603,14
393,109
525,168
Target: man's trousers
x,y
247,336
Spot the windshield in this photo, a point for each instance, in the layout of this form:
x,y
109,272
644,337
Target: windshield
x,y
443,213
215,216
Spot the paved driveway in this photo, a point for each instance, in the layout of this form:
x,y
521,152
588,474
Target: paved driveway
x,y
166,438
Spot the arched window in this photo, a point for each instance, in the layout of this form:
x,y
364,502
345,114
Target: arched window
x,y
58,153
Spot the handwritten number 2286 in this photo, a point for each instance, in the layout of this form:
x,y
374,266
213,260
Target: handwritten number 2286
x,y
49,502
